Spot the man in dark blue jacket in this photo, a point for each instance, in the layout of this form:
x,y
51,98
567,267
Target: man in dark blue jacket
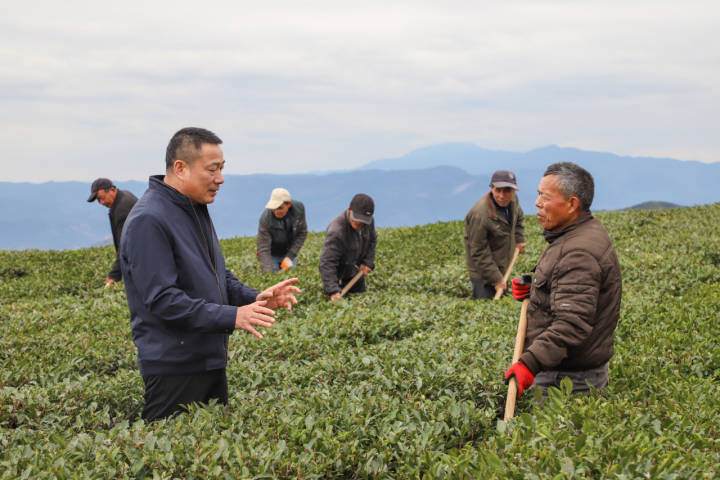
x,y
183,302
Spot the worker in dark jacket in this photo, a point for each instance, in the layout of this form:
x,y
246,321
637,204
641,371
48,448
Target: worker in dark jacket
x,y
120,202
349,246
281,232
493,228
576,289
183,302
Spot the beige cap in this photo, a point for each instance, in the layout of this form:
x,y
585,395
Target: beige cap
x,y
277,198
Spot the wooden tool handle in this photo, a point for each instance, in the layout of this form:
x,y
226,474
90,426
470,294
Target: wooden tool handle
x,y
352,282
519,344
499,293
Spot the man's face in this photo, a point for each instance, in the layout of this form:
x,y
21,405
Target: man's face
x,y
503,196
107,197
202,178
355,225
282,210
555,211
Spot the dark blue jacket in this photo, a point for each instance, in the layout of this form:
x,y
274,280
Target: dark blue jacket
x,y
180,295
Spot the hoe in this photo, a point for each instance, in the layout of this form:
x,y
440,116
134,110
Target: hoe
x,y
352,282
519,344
499,293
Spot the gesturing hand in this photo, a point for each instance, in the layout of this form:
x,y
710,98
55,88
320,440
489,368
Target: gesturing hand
x,y
254,314
280,294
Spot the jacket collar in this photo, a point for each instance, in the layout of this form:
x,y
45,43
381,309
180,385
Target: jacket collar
x,y
584,217
157,184
493,207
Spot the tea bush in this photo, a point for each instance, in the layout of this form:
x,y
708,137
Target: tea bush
x,y
404,381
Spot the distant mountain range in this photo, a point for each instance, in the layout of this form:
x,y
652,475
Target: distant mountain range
x,y
437,183
620,181
654,206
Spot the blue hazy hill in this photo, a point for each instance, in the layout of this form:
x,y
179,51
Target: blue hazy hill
x,y
56,214
436,183
620,181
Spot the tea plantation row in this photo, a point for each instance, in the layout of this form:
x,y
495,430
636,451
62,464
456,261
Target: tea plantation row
x,y
401,382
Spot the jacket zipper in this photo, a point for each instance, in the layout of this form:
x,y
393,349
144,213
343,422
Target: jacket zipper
x,y
211,253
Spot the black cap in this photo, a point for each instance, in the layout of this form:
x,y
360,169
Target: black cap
x,y
503,179
362,208
99,184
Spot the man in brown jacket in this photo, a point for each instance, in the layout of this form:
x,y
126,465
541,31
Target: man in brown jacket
x,y
493,228
576,289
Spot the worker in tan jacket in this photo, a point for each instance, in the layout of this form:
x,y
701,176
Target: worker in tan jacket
x,y
493,228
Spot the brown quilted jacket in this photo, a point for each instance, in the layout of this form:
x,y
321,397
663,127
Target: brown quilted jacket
x,y
574,300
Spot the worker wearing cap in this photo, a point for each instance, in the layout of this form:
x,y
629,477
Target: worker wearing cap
x,y
493,228
281,232
349,246
120,202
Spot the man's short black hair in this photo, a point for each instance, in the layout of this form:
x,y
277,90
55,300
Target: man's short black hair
x,y
186,143
573,180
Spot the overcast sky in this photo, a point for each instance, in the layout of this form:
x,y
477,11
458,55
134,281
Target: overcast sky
x,y
97,88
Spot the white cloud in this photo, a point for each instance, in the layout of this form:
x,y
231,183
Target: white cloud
x,y
97,88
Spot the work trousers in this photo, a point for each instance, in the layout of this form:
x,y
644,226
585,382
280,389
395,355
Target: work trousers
x,y
596,377
168,394
480,290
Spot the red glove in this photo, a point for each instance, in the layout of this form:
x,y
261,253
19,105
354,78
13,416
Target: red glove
x,y
522,374
521,287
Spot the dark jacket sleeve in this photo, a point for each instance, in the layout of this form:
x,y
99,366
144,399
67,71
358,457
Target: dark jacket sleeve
x,y
480,253
519,226
118,224
369,257
238,293
301,235
264,245
573,302
126,201
330,258
150,264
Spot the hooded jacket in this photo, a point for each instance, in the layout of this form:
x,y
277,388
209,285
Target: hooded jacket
x,y
574,300
181,297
